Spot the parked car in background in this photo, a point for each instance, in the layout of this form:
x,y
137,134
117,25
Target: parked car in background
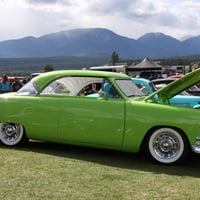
x,y
55,107
193,90
35,74
182,99
12,78
145,85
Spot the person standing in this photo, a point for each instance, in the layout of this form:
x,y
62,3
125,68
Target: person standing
x,y
16,85
5,85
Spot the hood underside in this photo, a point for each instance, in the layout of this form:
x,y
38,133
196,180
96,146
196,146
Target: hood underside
x,y
176,86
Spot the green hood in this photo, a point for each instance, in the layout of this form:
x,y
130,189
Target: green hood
x,y
176,86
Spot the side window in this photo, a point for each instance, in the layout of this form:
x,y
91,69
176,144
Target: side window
x,y
54,88
90,89
73,86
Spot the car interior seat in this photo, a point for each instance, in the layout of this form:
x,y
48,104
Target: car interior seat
x,y
109,90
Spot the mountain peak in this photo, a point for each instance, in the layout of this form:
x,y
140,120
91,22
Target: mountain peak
x,y
99,42
155,36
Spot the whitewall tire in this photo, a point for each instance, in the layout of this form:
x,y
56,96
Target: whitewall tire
x,y
167,146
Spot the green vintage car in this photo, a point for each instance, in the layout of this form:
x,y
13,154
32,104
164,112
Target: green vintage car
x,y
101,110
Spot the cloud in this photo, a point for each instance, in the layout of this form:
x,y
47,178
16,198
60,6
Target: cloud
x,y
131,18
41,2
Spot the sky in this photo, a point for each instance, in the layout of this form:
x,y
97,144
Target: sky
x,y
130,18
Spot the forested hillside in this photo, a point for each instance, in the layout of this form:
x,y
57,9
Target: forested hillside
x,y
22,66
25,66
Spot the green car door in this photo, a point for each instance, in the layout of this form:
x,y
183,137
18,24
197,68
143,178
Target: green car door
x,y
92,121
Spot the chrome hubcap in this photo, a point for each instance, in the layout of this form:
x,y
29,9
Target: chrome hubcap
x,y
166,145
10,132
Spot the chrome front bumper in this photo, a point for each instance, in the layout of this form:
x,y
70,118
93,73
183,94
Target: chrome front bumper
x,y
196,146
196,149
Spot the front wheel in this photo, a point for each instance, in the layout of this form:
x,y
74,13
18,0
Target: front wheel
x,y
167,146
12,134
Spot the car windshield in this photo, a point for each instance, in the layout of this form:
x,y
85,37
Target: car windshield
x,y
28,90
129,88
194,88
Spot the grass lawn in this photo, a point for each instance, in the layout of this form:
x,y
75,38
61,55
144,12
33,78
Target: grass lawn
x,y
61,172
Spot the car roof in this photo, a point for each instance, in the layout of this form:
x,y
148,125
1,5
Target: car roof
x,y
141,79
46,77
163,80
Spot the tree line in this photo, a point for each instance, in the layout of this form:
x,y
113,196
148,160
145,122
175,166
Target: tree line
x,y
25,66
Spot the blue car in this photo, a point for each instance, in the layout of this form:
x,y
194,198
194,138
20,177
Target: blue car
x,y
147,87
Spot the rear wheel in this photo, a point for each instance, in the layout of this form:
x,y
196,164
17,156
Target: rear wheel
x,y
167,146
12,134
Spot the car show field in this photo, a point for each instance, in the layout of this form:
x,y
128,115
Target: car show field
x,y
54,171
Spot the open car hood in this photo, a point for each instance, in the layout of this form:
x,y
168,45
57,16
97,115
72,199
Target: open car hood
x,y
176,86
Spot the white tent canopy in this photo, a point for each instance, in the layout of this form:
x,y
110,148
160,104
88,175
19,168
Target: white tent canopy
x,y
146,69
146,64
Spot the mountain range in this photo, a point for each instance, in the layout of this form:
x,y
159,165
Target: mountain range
x,y
99,42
